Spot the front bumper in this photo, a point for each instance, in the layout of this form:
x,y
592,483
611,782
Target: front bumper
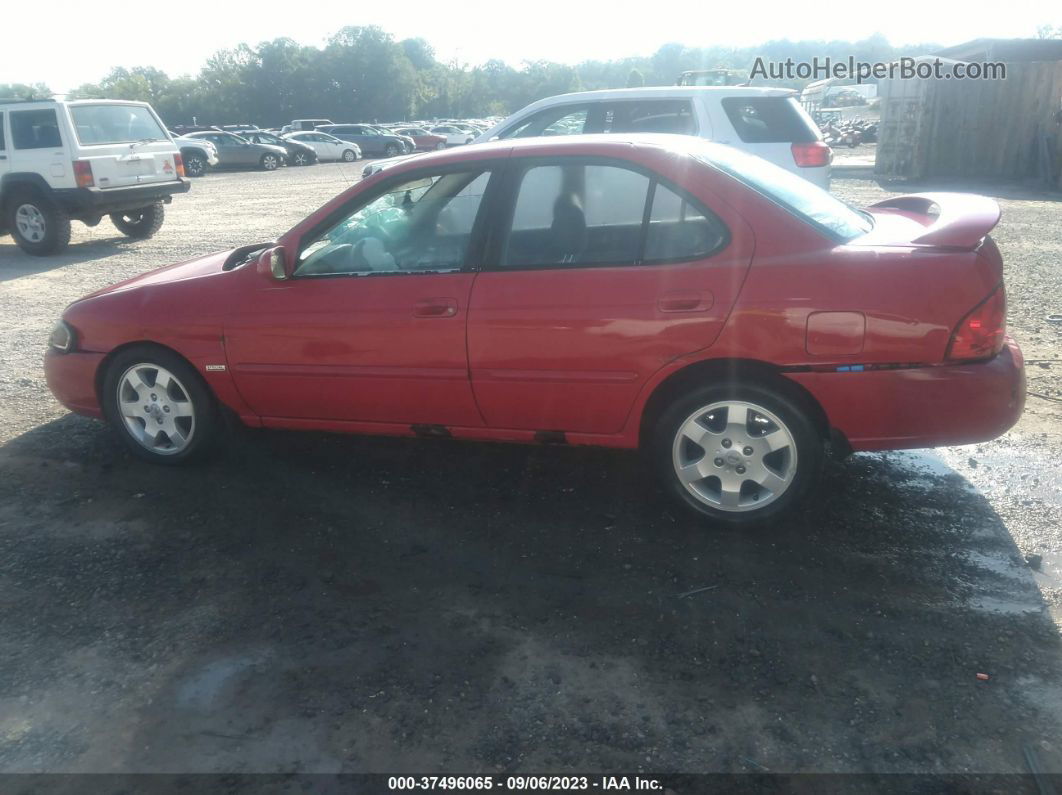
x,y
99,201
923,406
72,379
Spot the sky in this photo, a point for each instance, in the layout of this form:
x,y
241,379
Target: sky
x,y
78,44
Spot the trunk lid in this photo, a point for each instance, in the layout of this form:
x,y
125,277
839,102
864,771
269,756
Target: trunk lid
x,y
124,142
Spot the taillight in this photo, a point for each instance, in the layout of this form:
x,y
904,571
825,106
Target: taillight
x,y
178,161
812,155
980,334
83,174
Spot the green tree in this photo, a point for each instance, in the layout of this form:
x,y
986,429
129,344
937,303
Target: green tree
x,y
635,79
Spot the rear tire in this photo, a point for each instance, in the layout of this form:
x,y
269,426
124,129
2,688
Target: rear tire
x,y
737,473
140,224
195,165
391,150
159,406
40,226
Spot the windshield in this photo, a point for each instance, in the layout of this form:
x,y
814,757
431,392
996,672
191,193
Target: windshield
x,y
793,193
115,124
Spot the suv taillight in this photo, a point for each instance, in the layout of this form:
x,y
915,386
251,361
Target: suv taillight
x,y
83,174
178,162
812,155
980,334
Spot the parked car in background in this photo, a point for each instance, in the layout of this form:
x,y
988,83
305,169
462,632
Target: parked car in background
x,y
327,147
303,125
239,128
455,136
83,160
663,292
198,154
766,122
235,151
408,144
371,141
298,152
423,141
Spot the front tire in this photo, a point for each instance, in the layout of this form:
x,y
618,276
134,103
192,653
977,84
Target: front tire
x,y
159,406
440,146
269,162
140,224
300,159
738,454
349,156
390,150
40,226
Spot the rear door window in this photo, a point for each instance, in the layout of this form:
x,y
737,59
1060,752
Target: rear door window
x,y
652,115
770,120
35,129
680,229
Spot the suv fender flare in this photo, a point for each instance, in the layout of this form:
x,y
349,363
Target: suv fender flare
x,y
18,179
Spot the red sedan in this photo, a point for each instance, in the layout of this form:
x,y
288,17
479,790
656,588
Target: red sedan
x,y
659,292
422,139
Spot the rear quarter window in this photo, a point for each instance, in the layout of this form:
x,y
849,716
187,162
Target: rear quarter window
x,y
35,129
770,120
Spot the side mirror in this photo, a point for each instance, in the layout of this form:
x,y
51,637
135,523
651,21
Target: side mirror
x,y
272,264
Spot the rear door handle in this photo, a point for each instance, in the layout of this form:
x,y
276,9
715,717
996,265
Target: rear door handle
x,y
685,301
435,307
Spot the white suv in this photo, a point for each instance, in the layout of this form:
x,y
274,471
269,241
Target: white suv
x,y
83,160
767,122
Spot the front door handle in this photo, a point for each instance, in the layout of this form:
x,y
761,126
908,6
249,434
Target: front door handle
x,y
685,301
435,307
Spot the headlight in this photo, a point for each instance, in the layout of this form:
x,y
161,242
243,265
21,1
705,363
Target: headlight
x,y
61,338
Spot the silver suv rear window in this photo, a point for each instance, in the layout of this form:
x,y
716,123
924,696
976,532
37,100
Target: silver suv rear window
x,y
770,120
115,124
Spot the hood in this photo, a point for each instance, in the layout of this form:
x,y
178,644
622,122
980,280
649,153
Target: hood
x,y
197,268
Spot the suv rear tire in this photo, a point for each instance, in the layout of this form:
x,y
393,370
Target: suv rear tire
x,y
140,224
40,226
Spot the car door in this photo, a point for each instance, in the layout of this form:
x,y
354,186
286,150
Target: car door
x,y
371,327
332,145
605,273
4,162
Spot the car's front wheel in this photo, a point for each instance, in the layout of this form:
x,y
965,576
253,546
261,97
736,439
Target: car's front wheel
x,y
300,159
159,406
391,150
40,227
440,145
142,223
738,454
269,162
349,156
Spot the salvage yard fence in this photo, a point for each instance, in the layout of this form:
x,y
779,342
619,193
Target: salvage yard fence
x,y
995,129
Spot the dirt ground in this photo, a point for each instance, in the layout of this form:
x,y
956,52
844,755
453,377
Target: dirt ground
x,y
312,603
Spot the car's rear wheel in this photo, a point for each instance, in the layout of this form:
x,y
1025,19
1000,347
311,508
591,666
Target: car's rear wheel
x,y
739,454
159,406
195,165
300,159
349,156
391,150
269,162
40,227
142,223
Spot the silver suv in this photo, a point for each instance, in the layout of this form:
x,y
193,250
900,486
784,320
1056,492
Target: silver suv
x,y
83,160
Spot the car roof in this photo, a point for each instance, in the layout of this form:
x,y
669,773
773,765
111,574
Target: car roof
x,y
597,145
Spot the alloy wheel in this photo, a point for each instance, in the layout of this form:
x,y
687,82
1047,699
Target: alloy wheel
x,y
156,408
31,223
734,456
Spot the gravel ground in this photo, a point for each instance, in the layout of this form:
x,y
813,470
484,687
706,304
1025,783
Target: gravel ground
x,y
325,603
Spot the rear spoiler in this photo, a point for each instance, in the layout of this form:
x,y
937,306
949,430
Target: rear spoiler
x,y
956,220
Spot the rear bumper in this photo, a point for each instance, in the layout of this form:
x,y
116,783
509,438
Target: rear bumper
x,y
72,379
923,406
97,201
